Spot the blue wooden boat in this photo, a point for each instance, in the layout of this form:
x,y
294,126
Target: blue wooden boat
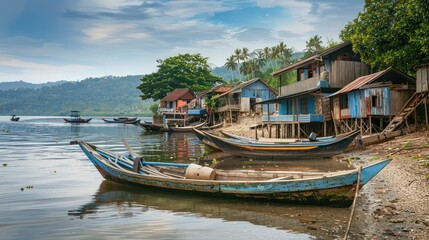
x,y
75,118
325,188
289,150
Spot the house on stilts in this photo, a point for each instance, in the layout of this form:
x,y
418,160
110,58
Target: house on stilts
x,y
371,102
303,106
242,99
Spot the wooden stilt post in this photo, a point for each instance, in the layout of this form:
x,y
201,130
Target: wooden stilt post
x,y
324,128
256,132
361,127
415,118
426,113
370,125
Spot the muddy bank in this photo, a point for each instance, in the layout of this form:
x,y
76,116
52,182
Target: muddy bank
x,y
395,204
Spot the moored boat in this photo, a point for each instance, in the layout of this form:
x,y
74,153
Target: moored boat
x,y
322,188
14,118
186,128
75,118
113,121
203,138
284,150
153,127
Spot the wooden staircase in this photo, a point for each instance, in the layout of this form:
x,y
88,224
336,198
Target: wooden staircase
x,y
408,108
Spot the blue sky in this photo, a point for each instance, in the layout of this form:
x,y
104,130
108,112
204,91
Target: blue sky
x,y
51,40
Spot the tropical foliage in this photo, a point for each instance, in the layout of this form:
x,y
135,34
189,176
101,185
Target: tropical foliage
x,y
391,33
181,71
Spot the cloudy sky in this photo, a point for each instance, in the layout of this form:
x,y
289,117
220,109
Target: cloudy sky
x,y
51,40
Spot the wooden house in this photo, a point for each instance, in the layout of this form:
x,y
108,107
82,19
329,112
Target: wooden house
x,y
371,101
242,98
302,103
177,100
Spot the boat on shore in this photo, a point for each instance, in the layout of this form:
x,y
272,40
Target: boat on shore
x,y
215,126
14,118
75,118
320,188
293,150
153,127
187,128
203,138
125,119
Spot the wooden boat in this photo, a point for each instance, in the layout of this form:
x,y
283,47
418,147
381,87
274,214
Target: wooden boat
x,y
203,138
14,118
113,121
187,128
275,140
325,188
291,151
211,127
135,121
75,118
125,119
152,127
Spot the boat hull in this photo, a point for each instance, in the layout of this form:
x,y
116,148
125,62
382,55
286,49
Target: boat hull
x,y
293,151
81,120
337,189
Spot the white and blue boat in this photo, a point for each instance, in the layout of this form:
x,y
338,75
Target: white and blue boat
x,y
321,188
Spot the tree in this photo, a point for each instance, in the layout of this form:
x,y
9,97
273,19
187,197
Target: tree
x,y
314,44
154,108
181,71
231,65
391,33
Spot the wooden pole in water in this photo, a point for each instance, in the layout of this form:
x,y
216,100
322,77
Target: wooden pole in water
x,y
354,203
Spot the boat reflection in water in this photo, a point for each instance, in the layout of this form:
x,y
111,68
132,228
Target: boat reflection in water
x,y
301,222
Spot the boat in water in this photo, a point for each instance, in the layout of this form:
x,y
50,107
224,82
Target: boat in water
x,y
75,118
14,118
321,188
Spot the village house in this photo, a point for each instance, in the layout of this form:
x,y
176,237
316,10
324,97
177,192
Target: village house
x,y
370,102
242,98
303,106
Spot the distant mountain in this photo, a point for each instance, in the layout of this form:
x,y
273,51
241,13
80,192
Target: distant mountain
x,y
21,84
93,96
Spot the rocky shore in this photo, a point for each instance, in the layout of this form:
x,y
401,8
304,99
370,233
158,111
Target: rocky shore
x,y
395,204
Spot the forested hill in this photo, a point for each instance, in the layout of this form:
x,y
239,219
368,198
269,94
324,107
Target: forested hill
x,y
93,96
22,84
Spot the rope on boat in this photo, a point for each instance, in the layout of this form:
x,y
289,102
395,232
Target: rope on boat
x,y
354,203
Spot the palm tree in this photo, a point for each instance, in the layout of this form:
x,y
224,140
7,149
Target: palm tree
x,y
231,65
275,54
246,68
237,55
314,44
245,54
267,55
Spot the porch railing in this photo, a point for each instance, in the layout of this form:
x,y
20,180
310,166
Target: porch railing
x,y
303,118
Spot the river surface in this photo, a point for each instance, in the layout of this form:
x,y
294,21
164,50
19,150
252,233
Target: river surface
x,y
50,190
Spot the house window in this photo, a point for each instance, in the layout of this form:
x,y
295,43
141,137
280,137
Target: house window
x,y
344,101
376,101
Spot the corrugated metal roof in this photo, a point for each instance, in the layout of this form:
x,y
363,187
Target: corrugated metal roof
x,y
176,94
310,59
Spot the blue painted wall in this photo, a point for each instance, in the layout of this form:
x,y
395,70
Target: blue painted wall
x,y
259,90
355,103
384,110
285,107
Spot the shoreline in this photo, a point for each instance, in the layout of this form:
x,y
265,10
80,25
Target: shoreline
x,y
393,205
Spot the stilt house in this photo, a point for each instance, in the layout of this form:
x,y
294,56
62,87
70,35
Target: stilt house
x,y
303,107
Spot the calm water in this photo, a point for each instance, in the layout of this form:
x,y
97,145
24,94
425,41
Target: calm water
x,y
64,197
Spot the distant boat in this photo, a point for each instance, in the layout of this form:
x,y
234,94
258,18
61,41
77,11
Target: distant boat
x,y
321,188
75,118
135,121
283,150
125,119
14,118
115,120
